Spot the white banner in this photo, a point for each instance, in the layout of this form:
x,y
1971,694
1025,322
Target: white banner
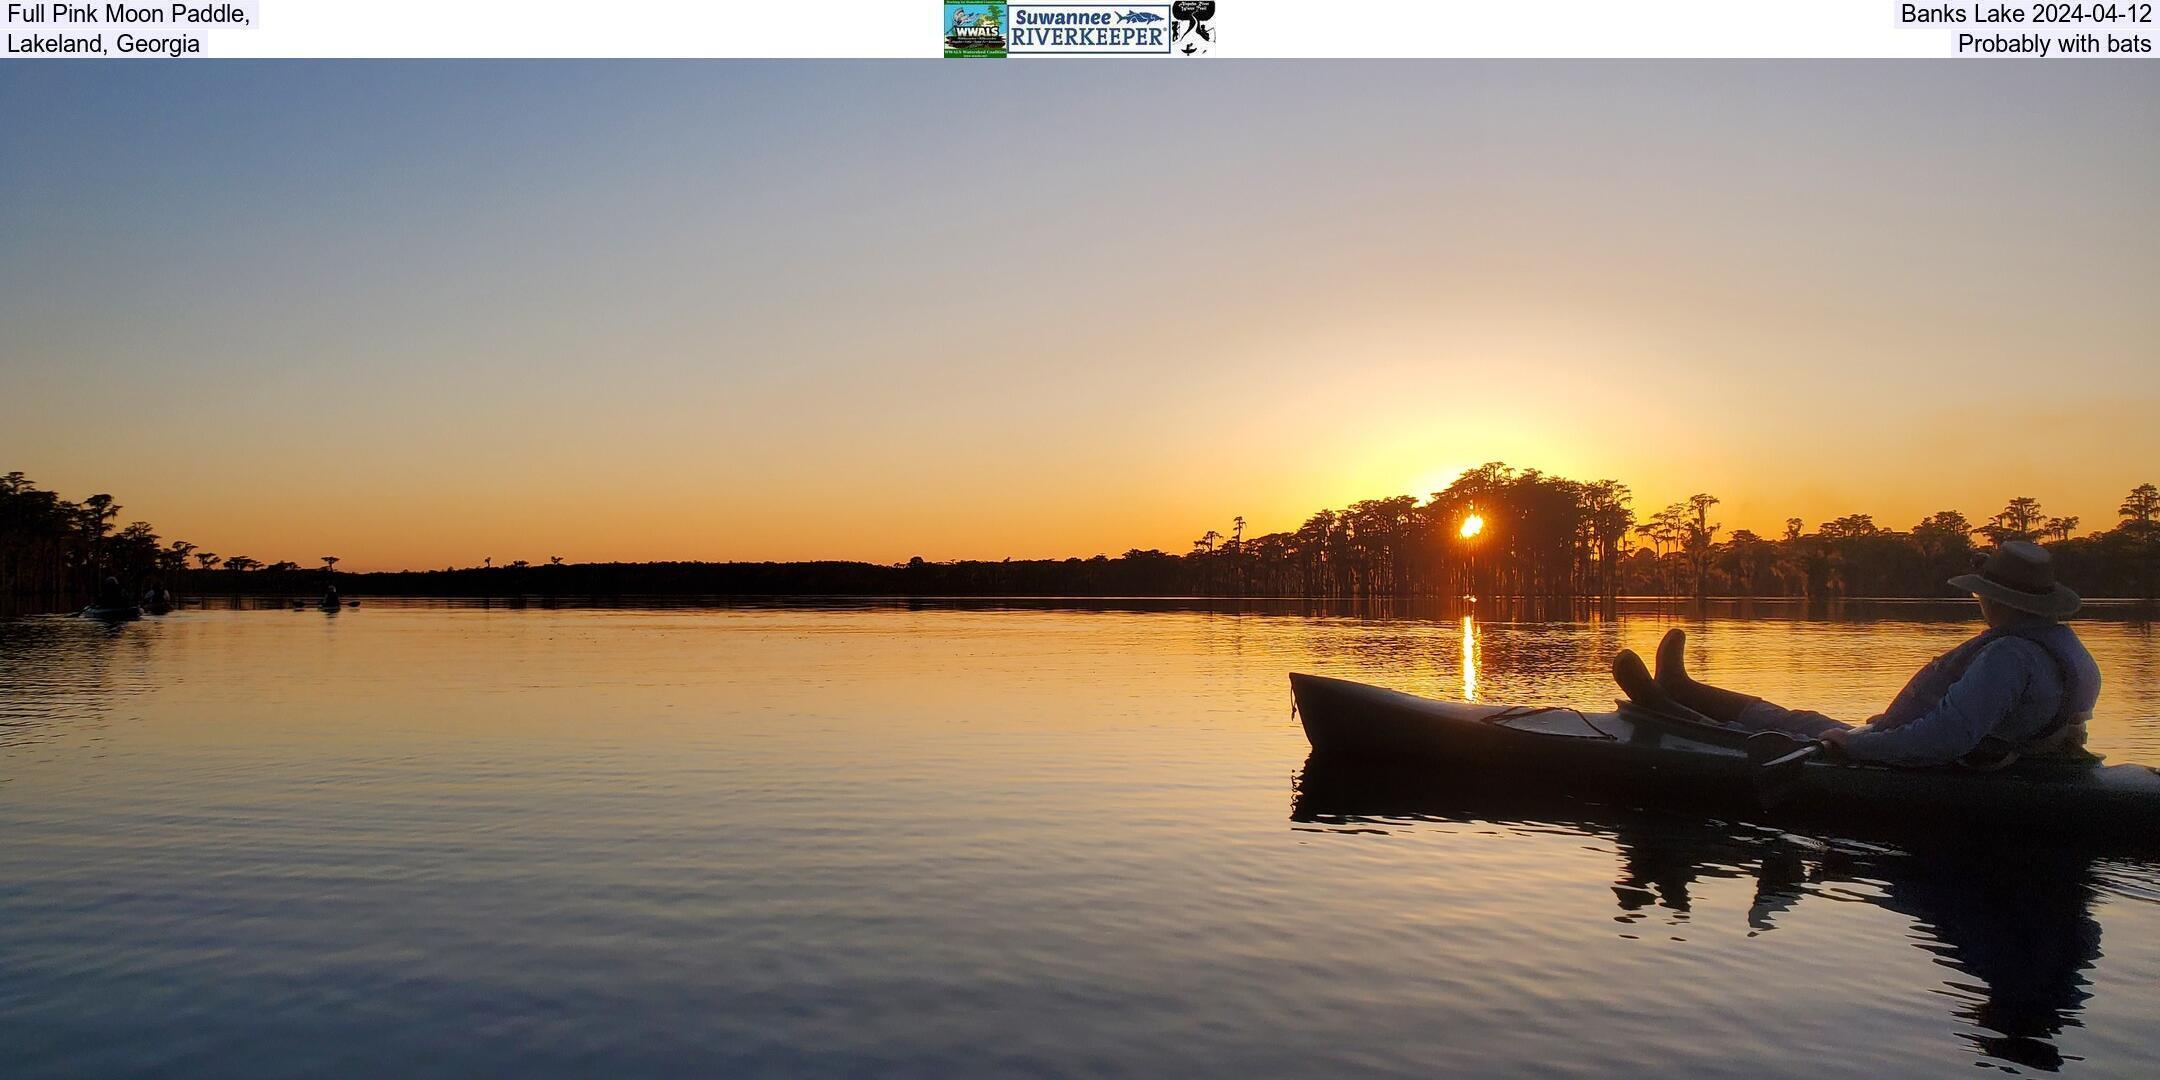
x,y
1155,31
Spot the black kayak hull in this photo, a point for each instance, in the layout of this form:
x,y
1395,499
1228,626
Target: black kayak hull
x,y
1636,755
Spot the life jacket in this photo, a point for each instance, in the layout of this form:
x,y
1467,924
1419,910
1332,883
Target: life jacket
x,y
2062,738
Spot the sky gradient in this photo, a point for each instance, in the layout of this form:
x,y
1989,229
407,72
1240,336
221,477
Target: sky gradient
x,y
418,314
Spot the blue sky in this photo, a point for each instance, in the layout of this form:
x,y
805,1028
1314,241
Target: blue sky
x,y
424,312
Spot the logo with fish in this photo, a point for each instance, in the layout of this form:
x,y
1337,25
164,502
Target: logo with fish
x,y
976,29
1081,29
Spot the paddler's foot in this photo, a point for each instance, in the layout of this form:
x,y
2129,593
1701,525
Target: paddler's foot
x,y
1671,661
1635,680
1717,703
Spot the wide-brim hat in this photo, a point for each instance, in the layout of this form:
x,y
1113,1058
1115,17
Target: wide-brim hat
x,y
2021,575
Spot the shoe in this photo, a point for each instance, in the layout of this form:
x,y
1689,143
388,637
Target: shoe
x,y
1672,662
1635,680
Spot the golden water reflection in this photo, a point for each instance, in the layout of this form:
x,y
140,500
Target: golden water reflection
x,y
686,838
1469,657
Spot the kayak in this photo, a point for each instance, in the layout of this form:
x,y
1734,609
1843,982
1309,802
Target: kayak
x,y
124,611
1637,753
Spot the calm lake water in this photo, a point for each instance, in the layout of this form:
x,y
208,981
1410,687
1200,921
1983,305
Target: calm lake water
x,y
423,839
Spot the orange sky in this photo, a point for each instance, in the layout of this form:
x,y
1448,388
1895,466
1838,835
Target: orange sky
x,y
777,314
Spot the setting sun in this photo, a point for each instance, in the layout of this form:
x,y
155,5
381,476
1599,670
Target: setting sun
x,y
1471,526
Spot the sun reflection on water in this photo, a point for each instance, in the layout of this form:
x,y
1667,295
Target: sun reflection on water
x,y
1469,658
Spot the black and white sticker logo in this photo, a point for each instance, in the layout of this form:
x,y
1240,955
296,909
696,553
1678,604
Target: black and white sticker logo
x,y
1192,27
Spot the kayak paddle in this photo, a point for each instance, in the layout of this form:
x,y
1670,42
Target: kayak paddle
x,y
1778,761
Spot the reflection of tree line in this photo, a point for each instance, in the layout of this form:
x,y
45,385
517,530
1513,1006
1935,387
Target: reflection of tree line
x,y
66,678
1543,537
2014,921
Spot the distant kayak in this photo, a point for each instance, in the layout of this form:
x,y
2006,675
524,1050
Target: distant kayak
x,y
1632,751
126,611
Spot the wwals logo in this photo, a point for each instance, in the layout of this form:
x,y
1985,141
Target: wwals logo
x,y
974,29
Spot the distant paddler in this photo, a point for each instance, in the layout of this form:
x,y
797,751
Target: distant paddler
x,y
112,601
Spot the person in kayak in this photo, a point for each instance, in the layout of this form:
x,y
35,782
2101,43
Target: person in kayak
x,y
2025,687
110,594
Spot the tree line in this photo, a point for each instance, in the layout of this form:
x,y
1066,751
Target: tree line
x,y
1495,531
54,553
